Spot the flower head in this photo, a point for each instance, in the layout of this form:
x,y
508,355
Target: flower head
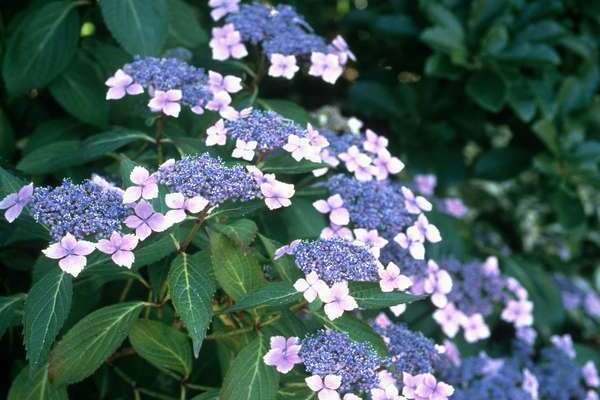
x,y
179,205
166,102
216,134
145,186
283,354
283,66
15,202
146,220
121,84
119,247
71,253
312,287
334,206
227,43
325,387
277,194
392,279
326,66
337,300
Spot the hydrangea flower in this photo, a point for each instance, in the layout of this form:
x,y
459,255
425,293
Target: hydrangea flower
x,y
15,202
85,210
337,300
166,102
454,207
326,66
338,231
216,134
414,245
475,328
370,239
330,352
564,343
146,220
227,43
336,260
415,204
145,186
283,66
312,287
334,206
179,205
221,8
283,354
277,194
425,184
71,253
590,374
392,279
119,247
326,387
385,165
121,84
423,231
244,150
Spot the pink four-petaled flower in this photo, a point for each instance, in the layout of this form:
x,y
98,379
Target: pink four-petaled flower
x,y
342,50
414,204
146,220
422,230
244,150
166,102
334,230
414,246
326,66
391,279
179,205
226,42
145,186
277,194
283,66
338,300
121,84
283,354
385,164
518,312
219,83
475,328
298,147
216,134
71,253
370,239
15,202
438,284
325,387
221,8
311,287
374,143
450,319
334,205
119,247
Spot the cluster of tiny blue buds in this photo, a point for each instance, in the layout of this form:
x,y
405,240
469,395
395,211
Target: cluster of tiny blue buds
x,y
340,143
279,30
330,352
578,295
171,73
84,210
268,129
336,260
209,177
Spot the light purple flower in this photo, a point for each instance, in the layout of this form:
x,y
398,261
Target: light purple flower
x,y
564,343
490,266
15,202
119,248
179,204
334,205
121,84
283,354
391,279
71,253
325,387
475,328
430,388
450,319
452,352
359,163
590,374
244,150
315,138
426,184
518,312
592,395
286,249
277,194
227,42
374,143
384,165
221,8
526,334
283,66
145,186
166,102
216,134
414,245
414,204
146,220
334,230
530,384
410,384
438,284
390,392
298,147
327,66
370,239
455,207
338,300
219,83
342,50
311,287
382,321
422,230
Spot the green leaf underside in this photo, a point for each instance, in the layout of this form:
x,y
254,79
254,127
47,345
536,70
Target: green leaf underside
x,y
91,341
162,346
274,294
192,291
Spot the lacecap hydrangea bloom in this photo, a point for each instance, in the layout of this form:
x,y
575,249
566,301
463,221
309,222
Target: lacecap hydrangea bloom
x,y
578,296
284,37
478,288
172,83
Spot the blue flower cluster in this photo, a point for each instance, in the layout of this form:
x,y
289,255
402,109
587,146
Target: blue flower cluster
x,y
373,204
416,269
279,30
269,129
85,210
578,295
410,351
209,177
330,352
560,378
474,290
340,143
171,73
336,260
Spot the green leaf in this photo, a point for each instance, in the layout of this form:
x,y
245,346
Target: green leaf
x,y
568,208
139,26
534,55
46,309
99,145
488,89
192,291
235,209
287,109
91,341
41,47
210,395
162,346
184,27
242,231
249,378
9,308
502,163
27,386
285,164
236,270
80,91
284,266
274,294
302,220
355,328
369,295
7,137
